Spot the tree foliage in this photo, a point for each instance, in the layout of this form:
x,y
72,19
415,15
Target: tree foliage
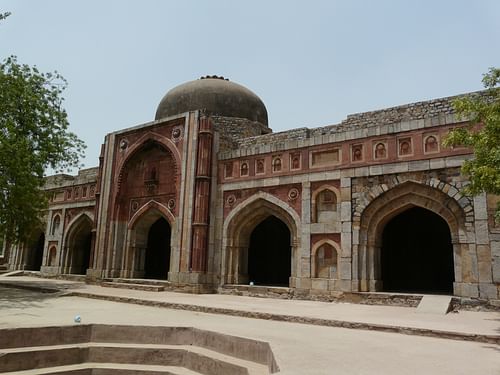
x,y
482,135
4,15
34,136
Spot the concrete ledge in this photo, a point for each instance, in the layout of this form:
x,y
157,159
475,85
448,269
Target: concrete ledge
x,y
23,349
491,339
92,368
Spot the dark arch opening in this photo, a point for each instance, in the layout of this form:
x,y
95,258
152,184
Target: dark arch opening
x,y
269,253
417,253
37,252
157,262
80,248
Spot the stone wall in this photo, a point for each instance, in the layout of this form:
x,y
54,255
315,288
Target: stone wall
x,y
386,121
231,129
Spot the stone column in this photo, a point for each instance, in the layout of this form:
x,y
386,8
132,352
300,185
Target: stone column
x,y
201,206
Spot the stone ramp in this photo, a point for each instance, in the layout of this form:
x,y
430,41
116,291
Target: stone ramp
x,y
171,350
434,304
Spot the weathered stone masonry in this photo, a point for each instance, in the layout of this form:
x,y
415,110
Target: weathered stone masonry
x,y
206,196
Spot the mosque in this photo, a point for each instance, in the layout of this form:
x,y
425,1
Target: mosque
x,y
206,196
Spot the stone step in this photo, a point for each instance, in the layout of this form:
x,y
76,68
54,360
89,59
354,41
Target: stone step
x,y
256,290
72,277
92,368
145,287
198,359
163,283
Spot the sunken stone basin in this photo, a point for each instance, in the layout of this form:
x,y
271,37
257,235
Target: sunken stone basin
x,y
117,349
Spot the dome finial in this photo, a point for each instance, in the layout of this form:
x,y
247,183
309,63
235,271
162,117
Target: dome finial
x,y
208,76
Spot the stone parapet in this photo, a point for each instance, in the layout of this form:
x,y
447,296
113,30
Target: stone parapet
x,y
84,176
408,117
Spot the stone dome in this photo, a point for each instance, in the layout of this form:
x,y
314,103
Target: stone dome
x,y
218,96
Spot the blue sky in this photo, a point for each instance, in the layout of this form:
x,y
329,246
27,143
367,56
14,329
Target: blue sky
x,y
312,63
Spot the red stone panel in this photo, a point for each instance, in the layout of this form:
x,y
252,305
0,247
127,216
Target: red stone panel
x,y
151,173
335,237
289,193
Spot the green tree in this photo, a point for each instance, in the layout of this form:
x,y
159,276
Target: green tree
x,y
482,135
34,136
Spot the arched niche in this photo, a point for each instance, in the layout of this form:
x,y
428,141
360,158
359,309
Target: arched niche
x,y
325,202
324,260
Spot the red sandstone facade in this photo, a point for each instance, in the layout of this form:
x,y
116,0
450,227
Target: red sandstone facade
x,y
206,196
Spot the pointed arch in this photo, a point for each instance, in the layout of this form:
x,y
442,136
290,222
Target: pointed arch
x,y
449,190
137,146
77,244
55,225
75,221
148,209
239,225
386,205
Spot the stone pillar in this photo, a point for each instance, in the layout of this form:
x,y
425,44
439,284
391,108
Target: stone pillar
x,y
344,271
201,206
304,249
103,210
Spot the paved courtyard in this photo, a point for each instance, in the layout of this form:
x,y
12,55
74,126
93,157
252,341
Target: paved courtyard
x,y
298,348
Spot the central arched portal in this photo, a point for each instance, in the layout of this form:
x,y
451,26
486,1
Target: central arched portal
x,y
269,253
417,253
157,262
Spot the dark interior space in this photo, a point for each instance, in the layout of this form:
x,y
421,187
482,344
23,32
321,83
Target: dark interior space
x,y
269,254
85,248
417,254
38,252
157,261
80,247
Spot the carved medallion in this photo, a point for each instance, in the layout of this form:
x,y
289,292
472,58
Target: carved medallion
x,y
293,194
231,200
123,144
171,204
177,133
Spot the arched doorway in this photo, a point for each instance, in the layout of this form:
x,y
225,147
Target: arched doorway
x,y
389,205
157,260
417,253
250,230
269,253
78,246
36,250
